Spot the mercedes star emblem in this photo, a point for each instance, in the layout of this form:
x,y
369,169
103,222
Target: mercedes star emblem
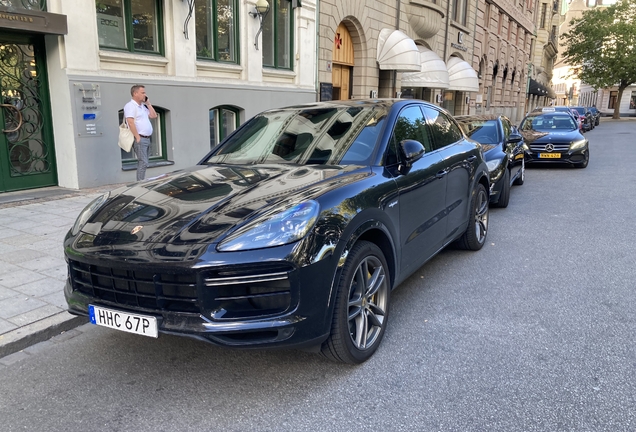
x,y
549,147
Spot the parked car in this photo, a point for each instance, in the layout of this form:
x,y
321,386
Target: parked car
x,y
292,232
554,138
596,115
580,120
588,122
503,150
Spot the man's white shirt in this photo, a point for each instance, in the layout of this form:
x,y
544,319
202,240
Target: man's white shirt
x,y
140,113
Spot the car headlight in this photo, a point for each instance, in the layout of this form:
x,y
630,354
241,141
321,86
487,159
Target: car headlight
x,y
88,211
495,168
274,228
577,144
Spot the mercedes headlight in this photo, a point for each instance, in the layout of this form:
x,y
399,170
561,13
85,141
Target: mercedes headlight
x,y
88,211
275,228
577,144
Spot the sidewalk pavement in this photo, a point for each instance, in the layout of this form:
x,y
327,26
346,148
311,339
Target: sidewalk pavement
x,y
33,272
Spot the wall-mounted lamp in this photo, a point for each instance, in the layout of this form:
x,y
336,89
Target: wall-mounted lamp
x,y
260,11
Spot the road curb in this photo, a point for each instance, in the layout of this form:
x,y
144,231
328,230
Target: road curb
x,y
38,331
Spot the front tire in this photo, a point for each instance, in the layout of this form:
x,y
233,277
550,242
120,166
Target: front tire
x,y
522,175
361,307
475,236
585,162
504,195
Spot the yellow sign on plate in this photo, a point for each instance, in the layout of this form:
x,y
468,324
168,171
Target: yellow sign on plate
x,y
549,155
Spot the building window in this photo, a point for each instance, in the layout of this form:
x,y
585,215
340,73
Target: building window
x,y
612,99
459,11
632,101
544,8
157,151
278,35
130,25
216,30
223,121
487,15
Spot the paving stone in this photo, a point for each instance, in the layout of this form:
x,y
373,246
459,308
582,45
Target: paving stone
x,y
40,287
43,262
7,293
59,273
5,267
35,315
6,232
19,256
20,239
6,326
56,299
38,347
18,305
20,277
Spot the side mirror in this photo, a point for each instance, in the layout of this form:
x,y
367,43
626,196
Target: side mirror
x,y
412,151
514,138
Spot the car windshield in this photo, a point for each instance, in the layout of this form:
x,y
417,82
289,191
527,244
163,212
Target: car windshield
x,y
580,110
305,136
482,131
548,123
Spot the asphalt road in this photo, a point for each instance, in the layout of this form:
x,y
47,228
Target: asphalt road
x,y
533,333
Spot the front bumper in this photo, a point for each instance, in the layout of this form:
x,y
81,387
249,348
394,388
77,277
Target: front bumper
x,y
571,157
264,303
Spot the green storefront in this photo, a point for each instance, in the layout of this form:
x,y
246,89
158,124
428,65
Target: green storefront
x,y
27,150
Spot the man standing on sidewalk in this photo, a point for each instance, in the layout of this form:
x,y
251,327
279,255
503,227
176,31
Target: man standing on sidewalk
x,y
138,113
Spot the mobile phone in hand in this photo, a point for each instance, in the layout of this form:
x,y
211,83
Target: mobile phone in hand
x,y
146,100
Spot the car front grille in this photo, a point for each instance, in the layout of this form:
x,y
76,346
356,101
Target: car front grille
x,y
250,290
225,293
557,147
157,291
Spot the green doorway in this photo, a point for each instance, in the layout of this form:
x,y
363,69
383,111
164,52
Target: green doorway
x,y
27,153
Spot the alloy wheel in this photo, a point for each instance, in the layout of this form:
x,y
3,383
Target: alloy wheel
x,y
481,215
368,301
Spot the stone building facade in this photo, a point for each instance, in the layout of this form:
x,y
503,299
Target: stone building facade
x,y
504,41
389,48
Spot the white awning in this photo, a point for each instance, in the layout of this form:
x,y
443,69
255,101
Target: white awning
x,y
433,71
397,51
461,76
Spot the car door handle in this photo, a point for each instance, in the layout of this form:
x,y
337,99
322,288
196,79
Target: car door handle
x,y
471,158
441,174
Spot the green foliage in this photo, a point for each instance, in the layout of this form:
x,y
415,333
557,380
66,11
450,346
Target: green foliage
x,y
601,45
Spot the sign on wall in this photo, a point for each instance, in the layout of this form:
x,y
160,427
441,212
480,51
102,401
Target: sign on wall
x,y
88,106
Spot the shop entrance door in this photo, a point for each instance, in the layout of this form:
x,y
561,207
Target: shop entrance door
x,y
27,154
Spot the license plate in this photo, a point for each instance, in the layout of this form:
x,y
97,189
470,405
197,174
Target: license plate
x,y
550,155
132,323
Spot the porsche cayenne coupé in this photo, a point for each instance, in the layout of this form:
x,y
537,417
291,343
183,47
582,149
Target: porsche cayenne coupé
x,y
292,232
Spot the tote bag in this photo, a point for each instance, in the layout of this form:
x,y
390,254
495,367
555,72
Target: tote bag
x,y
126,137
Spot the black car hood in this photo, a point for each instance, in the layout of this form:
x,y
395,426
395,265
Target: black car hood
x,y
536,137
203,203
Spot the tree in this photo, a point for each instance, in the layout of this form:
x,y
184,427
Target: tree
x,y
602,45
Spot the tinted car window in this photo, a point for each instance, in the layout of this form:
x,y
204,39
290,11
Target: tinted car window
x,y
548,123
443,129
507,128
333,136
482,131
410,125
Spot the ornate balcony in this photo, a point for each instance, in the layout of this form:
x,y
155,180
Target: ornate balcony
x,y
425,17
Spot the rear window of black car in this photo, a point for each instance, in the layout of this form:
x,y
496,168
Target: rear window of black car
x,y
332,136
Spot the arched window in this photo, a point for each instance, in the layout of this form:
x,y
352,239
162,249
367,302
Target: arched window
x,y
223,121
